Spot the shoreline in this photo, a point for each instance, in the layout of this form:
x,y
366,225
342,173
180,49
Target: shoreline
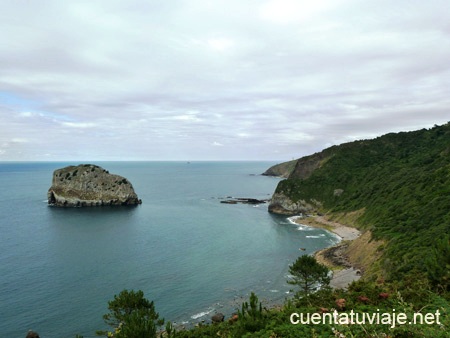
x,y
333,257
345,232
343,274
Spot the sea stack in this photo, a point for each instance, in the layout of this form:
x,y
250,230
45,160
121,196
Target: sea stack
x,y
88,185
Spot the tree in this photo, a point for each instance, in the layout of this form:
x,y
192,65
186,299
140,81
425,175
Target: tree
x,y
131,315
139,324
251,317
308,274
438,263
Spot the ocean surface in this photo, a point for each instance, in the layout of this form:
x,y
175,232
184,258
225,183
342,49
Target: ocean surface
x,y
189,253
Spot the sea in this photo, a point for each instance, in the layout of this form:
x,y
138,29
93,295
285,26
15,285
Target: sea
x,y
188,252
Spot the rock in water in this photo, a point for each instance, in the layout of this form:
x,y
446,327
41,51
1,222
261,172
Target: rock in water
x,y
89,185
218,318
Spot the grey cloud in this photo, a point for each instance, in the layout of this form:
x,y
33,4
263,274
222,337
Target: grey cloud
x,y
153,80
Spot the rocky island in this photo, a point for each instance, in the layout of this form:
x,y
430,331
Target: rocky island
x,y
89,185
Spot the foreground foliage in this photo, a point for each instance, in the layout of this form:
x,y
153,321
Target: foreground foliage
x,y
131,315
362,297
340,312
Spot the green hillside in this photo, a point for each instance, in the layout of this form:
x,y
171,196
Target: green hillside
x,y
402,181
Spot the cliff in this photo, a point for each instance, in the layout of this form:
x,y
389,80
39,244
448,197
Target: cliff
x,y
89,185
281,204
281,170
283,200
302,167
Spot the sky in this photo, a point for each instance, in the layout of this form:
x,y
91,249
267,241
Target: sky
x,y
216,80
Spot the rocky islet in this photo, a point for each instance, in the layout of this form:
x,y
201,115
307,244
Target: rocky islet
x,y
89,185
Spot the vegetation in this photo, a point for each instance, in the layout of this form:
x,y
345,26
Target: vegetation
x,y
427,315
131,316
308,274
251,318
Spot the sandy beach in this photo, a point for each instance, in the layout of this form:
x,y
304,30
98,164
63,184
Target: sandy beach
x,y
343,272
345,232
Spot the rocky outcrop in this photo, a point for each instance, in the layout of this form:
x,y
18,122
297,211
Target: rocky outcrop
x,y
89,185
283,205
243,201
218,318
32,334
300,168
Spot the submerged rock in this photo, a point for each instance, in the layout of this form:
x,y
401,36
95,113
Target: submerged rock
x,y
89,185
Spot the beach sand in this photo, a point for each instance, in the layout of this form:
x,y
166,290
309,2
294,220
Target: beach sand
x,y
333,257
345,232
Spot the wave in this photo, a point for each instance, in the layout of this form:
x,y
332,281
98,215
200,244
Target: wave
x,y
292,219
300,227
201,314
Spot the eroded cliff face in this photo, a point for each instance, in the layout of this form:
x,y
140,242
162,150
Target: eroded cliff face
x,y
283,205
89,185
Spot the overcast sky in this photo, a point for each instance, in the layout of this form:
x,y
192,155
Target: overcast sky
x,y
216,80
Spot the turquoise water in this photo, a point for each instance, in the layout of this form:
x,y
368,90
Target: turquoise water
x,y
189,253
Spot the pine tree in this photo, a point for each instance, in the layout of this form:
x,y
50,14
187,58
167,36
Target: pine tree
x,y
308,274
132,315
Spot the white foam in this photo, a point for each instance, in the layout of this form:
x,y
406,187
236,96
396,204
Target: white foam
x,y
312,236
292,219
201,314
302,227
